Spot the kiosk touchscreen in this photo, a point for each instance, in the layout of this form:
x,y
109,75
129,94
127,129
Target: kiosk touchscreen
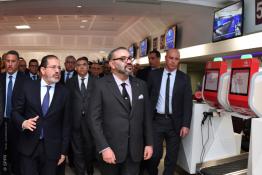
x,y
214,70
242,71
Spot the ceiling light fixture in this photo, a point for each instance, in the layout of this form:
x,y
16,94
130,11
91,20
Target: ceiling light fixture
x,y
82,27
39,17
79,6
22,27
84,20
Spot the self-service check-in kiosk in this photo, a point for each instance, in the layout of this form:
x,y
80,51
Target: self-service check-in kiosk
x,y
211,135
245,98
245,101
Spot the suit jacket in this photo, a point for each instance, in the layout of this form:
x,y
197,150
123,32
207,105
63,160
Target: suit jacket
x,y
113,125
143,73
79,104
20,79
181,100
62,79
56,123
1,106
28,76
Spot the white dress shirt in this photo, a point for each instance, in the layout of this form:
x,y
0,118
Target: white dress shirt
x,y
128,86
80,80
44,89
160,106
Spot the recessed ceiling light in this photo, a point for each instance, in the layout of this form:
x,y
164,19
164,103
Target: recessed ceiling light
x,y
82,27
84,20
22,27
79,6
39,17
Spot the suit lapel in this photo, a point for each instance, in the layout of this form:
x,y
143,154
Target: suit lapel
x,y
38,96
56,94
115,90
76,85
177,80
135,94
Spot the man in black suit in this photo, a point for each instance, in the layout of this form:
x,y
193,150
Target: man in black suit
x,y
33,70
11,82
81,87
69,71
171,97
42,114
120,118
154,63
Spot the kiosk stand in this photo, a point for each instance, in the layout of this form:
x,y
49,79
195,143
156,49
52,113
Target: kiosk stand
x,y
211,137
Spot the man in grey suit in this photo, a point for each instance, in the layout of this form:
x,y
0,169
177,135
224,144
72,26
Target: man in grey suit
x,y
171,97
120,118
80,88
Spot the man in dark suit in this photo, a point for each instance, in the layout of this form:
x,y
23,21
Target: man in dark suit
x,y
69,71
120,118
33,70
81,87
11,82
154,63
42,114
171,97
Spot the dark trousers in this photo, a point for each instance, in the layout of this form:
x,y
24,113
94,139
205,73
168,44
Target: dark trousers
x,y
129,167
38,163
83,152
10,158
164,130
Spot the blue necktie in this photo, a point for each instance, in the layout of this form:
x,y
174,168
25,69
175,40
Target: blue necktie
x,y
34,77
45,106
9,97
67,76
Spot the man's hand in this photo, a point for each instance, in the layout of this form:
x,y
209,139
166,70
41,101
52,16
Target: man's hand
x,y
61,160
109,156
30,123
148,152
184,131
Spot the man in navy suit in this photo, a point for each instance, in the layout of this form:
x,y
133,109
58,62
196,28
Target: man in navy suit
x,y
41,113
33,70
11,82
171,97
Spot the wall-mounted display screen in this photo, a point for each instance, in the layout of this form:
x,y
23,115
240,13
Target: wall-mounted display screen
x,y
228,22
132,50
239,81
170,38
211,80
144,47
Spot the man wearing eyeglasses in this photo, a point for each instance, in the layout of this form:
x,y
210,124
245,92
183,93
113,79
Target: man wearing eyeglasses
x,y
120,118
171,97
42,113
69,71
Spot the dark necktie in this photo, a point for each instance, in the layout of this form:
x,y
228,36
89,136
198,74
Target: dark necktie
x,y
9,97
167,94
125,95
34,77
83,87
67,77
45,106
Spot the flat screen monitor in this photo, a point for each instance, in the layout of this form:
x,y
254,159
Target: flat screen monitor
x,y
132,50
144,47
170,38
228,22
211,80
239,81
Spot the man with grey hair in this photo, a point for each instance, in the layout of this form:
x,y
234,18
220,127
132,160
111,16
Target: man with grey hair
x,y
120,118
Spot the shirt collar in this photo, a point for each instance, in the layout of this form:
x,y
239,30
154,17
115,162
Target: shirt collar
x,y
13,75
172,73
119,81
44,84
80,78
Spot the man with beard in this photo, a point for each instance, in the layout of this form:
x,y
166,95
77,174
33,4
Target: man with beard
x,y
120,118
41,113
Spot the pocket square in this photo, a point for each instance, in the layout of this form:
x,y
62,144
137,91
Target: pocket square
x,y
140,96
